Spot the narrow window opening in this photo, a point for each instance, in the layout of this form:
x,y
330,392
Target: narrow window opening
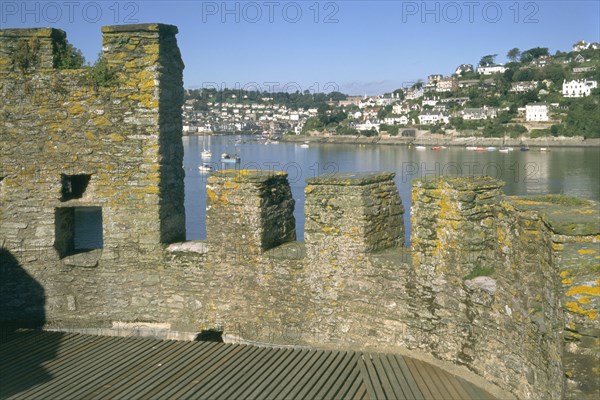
x,y
73,186
77,230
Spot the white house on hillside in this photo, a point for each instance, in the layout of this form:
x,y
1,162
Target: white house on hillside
x,y
433,117
522,87
578,88
491,69
536,112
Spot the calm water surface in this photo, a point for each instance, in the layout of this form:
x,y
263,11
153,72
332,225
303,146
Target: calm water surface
x,y
573,172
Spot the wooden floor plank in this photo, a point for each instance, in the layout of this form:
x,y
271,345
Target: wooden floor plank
x,y
428,390
401,389
408,376
346,391
327,379
368,383
315,357
336,380
462,393
388,390
443,383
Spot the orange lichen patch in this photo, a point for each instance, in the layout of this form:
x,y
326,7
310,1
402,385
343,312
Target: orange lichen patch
x,y
211,195
575,308
584,290
586,251
567,281
584,300
231,185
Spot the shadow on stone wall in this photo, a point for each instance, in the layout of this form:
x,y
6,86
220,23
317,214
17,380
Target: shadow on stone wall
x,y
23,348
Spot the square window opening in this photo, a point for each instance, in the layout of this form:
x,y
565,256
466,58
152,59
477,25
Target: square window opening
x,y
77,230
73,186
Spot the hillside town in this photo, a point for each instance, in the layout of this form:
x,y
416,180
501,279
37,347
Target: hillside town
x,y
534,94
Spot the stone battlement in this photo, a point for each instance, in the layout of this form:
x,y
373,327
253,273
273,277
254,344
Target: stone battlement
x,y
505,287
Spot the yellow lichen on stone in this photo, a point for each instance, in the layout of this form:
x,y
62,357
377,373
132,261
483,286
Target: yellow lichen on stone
x,y
574,307
331,229
586,251
151,48
231,185
530,202
584,290
568,281
584,300
116,137
211,195
564,274
76,109
308,189
102,121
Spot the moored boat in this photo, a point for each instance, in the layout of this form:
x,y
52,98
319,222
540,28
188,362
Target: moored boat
x,y
205,167
206,153
228,158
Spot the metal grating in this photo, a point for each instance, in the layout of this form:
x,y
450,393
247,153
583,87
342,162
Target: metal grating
x,y
54,365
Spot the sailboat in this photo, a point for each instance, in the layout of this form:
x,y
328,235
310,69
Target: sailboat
x,y
504,148
206,153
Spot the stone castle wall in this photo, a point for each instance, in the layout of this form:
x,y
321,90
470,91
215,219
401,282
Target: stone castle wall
x,y
506,287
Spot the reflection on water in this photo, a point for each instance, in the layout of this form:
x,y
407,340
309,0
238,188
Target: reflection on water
x,y
574,172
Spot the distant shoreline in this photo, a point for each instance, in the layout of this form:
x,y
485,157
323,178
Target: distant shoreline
x,y
435,140
554,142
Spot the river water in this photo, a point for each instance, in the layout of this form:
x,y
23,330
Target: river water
x,y
571,171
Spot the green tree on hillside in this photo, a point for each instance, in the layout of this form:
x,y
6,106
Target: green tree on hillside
x,y
533,54
583,118
513,54
487,60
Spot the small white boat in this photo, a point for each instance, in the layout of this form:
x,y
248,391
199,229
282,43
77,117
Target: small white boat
x,y
228,158
205,168
206,153
544,149
491,148
470,148
305,145
503,150
421,148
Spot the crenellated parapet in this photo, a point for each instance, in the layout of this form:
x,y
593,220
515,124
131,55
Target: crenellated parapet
x,y
507,288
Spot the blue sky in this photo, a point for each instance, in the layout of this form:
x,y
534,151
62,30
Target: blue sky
x,y
358,47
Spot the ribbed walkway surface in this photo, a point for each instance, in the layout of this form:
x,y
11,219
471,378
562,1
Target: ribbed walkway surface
x,y
53,365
